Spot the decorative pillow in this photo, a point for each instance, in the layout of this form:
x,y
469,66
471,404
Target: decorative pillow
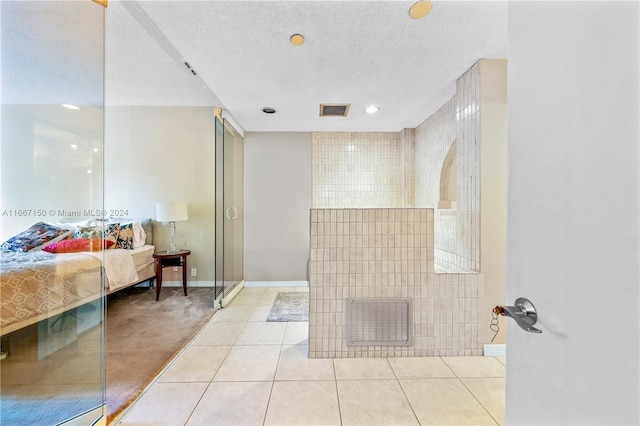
x,y
147,229
34,237
125,237
139,236
75,245
108,231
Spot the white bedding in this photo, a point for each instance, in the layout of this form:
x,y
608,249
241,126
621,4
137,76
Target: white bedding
x,y
119,265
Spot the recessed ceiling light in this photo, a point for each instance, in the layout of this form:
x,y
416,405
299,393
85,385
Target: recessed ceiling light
x,y
269,110
89,171
69,106
420,9
372,109
297,39
74,146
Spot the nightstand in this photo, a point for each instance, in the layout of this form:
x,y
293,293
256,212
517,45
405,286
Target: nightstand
x,y
165,259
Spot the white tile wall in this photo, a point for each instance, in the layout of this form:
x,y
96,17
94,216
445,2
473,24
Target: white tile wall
x,y
468,163
367,240
387,253
392,170
434,138
362,170
458,121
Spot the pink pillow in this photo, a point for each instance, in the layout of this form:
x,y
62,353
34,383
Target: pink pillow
x,y
78,244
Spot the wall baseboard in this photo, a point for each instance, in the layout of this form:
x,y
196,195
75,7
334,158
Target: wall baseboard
x,y
276,284
190,284
254,284
495,349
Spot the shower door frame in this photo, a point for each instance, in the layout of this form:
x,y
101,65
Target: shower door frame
x,y
229,210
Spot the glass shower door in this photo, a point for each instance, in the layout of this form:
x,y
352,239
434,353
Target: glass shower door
x,y
52,127
229,208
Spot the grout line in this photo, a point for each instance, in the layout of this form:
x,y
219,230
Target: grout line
x,y
403,391
197,403
476,398
335,383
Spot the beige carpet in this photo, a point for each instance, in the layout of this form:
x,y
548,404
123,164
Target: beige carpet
x,y
144,335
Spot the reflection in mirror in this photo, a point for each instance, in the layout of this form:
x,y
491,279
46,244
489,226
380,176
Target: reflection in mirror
x,y
51,304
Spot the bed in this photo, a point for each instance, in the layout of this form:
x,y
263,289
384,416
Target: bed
x,y
41,282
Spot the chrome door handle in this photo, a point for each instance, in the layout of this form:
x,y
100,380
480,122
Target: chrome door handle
x,y
226,212
524,313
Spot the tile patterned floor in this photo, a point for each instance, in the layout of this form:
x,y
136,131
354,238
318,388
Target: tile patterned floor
x,y
242,370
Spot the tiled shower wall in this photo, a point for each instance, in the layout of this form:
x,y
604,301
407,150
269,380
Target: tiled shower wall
x,y
434,138
457,245
362,170
393,170
468,163
387,253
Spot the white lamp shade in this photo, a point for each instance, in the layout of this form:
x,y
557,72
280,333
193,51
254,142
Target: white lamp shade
x,y
171,212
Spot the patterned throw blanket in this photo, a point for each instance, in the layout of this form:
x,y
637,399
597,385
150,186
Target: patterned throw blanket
x,y
35,285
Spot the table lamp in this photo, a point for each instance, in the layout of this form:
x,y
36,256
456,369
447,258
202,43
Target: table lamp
x,y
172,212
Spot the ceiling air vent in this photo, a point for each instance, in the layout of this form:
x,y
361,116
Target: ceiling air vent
x,y
334,110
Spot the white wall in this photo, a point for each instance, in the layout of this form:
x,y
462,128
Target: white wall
x,y
277,200
165,154
43,178
493,188
573,212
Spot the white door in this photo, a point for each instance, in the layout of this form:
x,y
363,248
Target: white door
x,y
573,212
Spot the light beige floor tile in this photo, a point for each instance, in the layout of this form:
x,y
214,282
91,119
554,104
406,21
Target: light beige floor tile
x,y
303,403
490,393
234,314
269,297
260,313
249,364
362,368
374,402
250,297
444,402
232,403
165,404
296,333
420,368
196,364
294,364
219,333
262,333
502,359
475,366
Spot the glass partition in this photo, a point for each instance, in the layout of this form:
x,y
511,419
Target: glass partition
x,y
51,153
229,208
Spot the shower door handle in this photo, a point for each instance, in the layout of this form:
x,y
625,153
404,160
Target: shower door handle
x,y
235,213
524,313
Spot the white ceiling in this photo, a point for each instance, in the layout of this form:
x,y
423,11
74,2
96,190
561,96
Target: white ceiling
x,y
357,52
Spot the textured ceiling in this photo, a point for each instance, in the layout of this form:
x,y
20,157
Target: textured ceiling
x,y
357,52
52,52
